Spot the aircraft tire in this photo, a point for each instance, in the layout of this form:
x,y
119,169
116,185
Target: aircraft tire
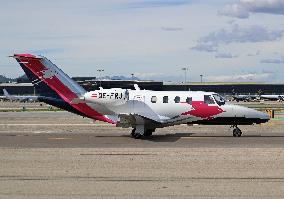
x,y
148,132
237,132
132,134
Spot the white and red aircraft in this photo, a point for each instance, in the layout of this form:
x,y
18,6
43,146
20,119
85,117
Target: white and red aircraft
x,y
143,110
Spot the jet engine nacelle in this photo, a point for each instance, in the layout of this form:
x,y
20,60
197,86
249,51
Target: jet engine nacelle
x,y
114,96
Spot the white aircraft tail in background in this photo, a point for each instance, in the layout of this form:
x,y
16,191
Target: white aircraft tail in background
x,y
26,98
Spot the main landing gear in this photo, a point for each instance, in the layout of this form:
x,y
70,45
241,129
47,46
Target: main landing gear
x,y
236,131
137,135
134,134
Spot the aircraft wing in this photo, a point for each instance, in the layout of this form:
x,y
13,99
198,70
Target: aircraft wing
x,y
128,120
141,114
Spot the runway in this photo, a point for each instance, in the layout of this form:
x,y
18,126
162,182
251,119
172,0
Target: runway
x,y
60,155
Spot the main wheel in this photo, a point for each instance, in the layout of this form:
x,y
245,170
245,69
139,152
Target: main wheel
x,y
133,132
148,132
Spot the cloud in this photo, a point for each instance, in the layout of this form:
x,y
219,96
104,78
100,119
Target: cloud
x,y
205,47
254,54
159,76
225,56
255,77
237,34
273,60
172,28
157,3
243,8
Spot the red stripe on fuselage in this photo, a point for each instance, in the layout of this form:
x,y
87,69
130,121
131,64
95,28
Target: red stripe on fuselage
x,y
203,110
63,91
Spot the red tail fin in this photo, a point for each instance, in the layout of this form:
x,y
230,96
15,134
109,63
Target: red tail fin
x,y
44,71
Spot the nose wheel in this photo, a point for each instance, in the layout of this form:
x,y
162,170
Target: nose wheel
x,y
236,131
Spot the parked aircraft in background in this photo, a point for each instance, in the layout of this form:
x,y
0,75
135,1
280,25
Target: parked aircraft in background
x,y
245,98
272,97
26,98
251,98
143,110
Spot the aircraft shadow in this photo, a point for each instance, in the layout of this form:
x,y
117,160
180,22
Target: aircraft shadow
x,y
167,137
177,136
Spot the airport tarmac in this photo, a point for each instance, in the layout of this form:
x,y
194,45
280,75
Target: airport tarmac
x,y
61,155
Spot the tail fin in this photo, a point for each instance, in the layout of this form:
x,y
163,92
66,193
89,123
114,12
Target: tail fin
x,y
41,70
6,93
50,81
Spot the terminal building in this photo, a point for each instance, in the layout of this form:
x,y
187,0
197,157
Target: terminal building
x,y
91,83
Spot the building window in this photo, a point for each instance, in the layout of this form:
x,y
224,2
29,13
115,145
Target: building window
x,y
208,99
165,99
154,99
189,100
177,99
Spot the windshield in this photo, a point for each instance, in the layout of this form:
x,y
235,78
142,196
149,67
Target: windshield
x,y
208,99
219,99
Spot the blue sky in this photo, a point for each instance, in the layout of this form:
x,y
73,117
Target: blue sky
x,y
225,40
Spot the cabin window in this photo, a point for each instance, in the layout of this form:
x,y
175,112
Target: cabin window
x,y
208,99
177,99
165,99
189,100
154,99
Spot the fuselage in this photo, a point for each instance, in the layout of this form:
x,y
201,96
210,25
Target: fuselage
x,y
173,107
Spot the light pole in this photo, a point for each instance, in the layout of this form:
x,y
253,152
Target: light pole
x,y
132,76
201,78
100,71
185,70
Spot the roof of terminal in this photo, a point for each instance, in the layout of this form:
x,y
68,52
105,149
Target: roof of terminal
x,y
222,83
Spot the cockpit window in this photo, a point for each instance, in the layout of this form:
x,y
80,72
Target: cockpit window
x,y
208,99
219,99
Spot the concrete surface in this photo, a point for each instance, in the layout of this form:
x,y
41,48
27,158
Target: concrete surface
x,y
60,155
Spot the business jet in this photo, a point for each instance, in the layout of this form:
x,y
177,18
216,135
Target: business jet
x,y
24,98
142,110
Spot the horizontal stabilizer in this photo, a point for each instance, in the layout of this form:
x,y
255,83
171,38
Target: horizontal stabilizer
x,y
77,101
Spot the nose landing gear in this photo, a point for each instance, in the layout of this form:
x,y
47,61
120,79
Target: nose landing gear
x,y
236,131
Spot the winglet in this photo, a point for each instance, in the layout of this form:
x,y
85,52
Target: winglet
x,y
77,100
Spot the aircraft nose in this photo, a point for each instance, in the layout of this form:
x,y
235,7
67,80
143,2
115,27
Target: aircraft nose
x,y
262,115
251,113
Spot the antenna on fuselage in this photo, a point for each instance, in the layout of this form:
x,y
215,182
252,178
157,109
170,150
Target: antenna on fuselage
x,y
136,87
